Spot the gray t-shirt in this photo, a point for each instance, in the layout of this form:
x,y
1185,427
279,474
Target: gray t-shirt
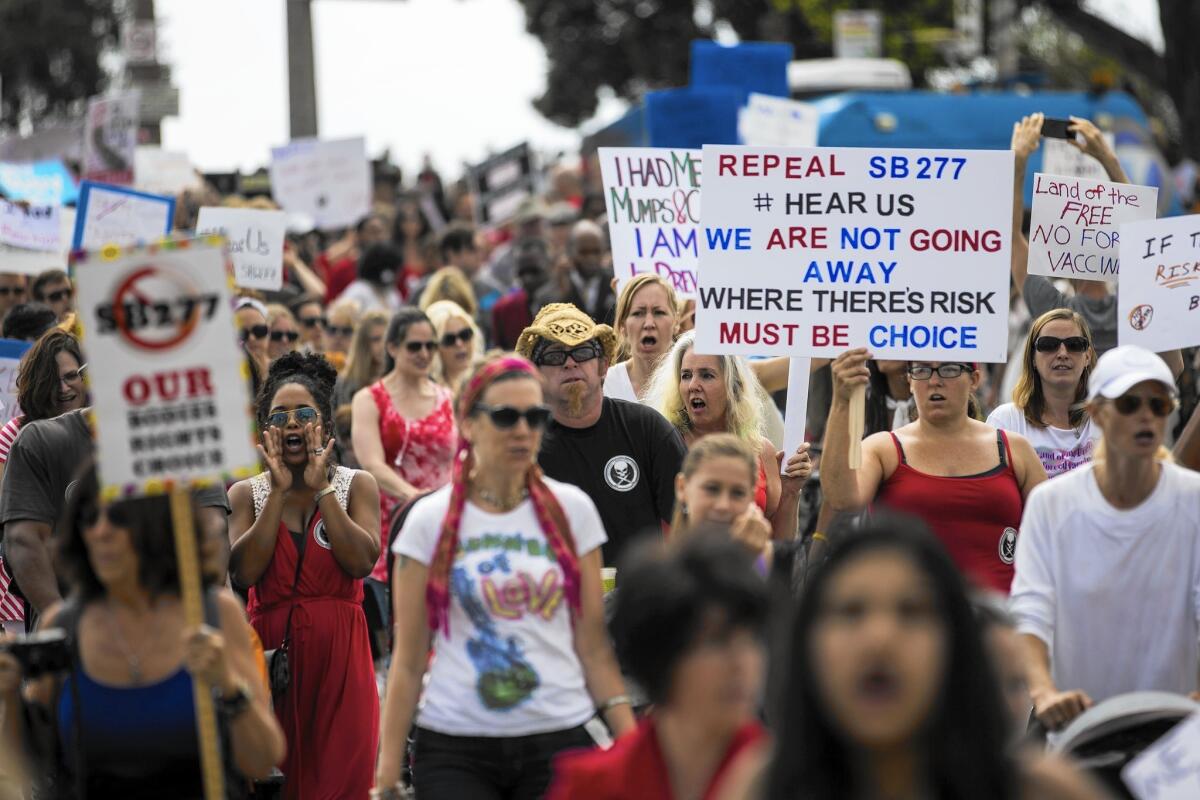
x,y
1101,314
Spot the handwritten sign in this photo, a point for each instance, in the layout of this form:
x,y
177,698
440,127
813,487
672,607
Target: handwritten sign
x,y
502,183
1169,769
329,181
653,201
255,242
1073,231
795,416
1060,157
30,227
811,251
122,217
45,183
166,373
11,351
1158,301
776,122
32,262
110,138
163,171
857,34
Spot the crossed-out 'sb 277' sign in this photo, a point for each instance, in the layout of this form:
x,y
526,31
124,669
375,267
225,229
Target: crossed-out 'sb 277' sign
x,y
169,395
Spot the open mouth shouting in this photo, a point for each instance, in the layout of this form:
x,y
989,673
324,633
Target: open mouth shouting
x,y
293,443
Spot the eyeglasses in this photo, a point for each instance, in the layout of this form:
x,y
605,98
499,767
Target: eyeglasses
x,y
580,355
302,415
89,514
416,347
505,417
312,322
279,336
58,295
1128,404
464,336
256,332
74,376
15,291
1050,344
337,330
923,372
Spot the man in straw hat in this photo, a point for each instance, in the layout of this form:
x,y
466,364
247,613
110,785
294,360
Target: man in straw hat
x,y
624,455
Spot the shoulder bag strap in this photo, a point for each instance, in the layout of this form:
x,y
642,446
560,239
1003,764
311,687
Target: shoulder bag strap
x,y
287,627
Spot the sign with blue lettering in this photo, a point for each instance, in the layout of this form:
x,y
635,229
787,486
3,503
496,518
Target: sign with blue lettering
x,y
813,251
43,183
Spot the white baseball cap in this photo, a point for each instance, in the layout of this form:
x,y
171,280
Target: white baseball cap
x,y
1122,368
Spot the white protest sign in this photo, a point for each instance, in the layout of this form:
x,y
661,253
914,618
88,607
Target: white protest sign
x,y
121,217
110,138
169,394
653,200
30,227
1060,157
1158,300
812,251
163,171
769,121
255,241
1073,229
857,33
328,181
1169,769
32,262
795,416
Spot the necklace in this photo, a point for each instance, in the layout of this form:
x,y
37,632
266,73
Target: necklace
x,y
503,505
133,659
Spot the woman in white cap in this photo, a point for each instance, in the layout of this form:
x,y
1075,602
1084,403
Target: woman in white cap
x,y
1107,586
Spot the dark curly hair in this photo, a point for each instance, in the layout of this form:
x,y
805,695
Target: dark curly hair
x,y
309,370
37,379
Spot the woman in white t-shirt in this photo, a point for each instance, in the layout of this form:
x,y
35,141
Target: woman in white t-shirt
x,y
499,575
1048,401
647,320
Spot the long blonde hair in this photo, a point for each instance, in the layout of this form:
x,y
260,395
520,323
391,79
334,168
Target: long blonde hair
x,y
718,445
449,283
361,367
743,410
440,314
625,305
1027,394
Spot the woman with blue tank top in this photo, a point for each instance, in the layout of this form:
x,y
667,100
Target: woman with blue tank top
x,y
123,717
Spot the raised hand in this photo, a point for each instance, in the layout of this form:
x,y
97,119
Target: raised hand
x,y
1027,135
316,471
1093,142
751,529
850,370
271,452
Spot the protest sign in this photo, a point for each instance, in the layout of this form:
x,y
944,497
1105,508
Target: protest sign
x,y
502,183
795,416
329,181
45,183
747,66
30,227
1060,157
1073,227
775,122
110,138
812,251
163,171
31,262
1158,301
1169,769
857,33
691,118
255,242
653,201
166,376
11,351
122,217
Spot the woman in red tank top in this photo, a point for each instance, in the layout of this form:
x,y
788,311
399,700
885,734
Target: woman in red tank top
x,y
964,478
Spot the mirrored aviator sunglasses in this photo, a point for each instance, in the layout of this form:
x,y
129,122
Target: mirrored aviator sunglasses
x,y
505,417
303,415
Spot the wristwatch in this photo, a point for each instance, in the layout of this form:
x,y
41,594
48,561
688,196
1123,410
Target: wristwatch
x,y
233,707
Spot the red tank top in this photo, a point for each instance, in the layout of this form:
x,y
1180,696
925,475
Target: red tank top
x,y
760,488
975,517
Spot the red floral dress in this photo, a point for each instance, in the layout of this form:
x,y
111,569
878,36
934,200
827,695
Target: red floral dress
x,y
421,452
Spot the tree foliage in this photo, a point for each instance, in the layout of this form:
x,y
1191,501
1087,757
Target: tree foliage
x,y
50,56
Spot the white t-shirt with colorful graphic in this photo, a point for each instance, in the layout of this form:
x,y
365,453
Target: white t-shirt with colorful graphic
x,y
1061,450
508,667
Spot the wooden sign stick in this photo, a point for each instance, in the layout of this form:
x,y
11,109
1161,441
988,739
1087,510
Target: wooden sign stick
x,y
858,410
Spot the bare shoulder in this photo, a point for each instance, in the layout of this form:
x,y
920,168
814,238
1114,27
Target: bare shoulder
x,y
1052,778
881,446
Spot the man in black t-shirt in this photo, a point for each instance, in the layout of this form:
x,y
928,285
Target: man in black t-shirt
x,y
624,455
44,460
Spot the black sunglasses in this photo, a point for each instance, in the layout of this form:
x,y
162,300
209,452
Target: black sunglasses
x,y
256,331
580,355
334,330
89,514
302,415
464,336
59,294
16,291
416,347
505,417
1128,404
312,322
279,336
1050,344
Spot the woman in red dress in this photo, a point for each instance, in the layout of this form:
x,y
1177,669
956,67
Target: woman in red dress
x,y
403,424
305,533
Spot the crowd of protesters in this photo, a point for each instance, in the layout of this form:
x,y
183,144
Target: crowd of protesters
x,y
514,537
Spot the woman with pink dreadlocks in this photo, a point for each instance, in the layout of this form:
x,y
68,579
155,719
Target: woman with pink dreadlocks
x,y
499,575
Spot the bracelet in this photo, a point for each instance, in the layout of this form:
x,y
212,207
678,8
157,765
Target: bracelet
x,y
394,792
317,497
614,701
820,537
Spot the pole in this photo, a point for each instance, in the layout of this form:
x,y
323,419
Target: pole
x,y
191,594
858,410
302,81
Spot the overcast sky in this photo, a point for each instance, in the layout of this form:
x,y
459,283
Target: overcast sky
x,y
453,78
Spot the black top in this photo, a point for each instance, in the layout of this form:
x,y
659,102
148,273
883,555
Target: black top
x,y
626,462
